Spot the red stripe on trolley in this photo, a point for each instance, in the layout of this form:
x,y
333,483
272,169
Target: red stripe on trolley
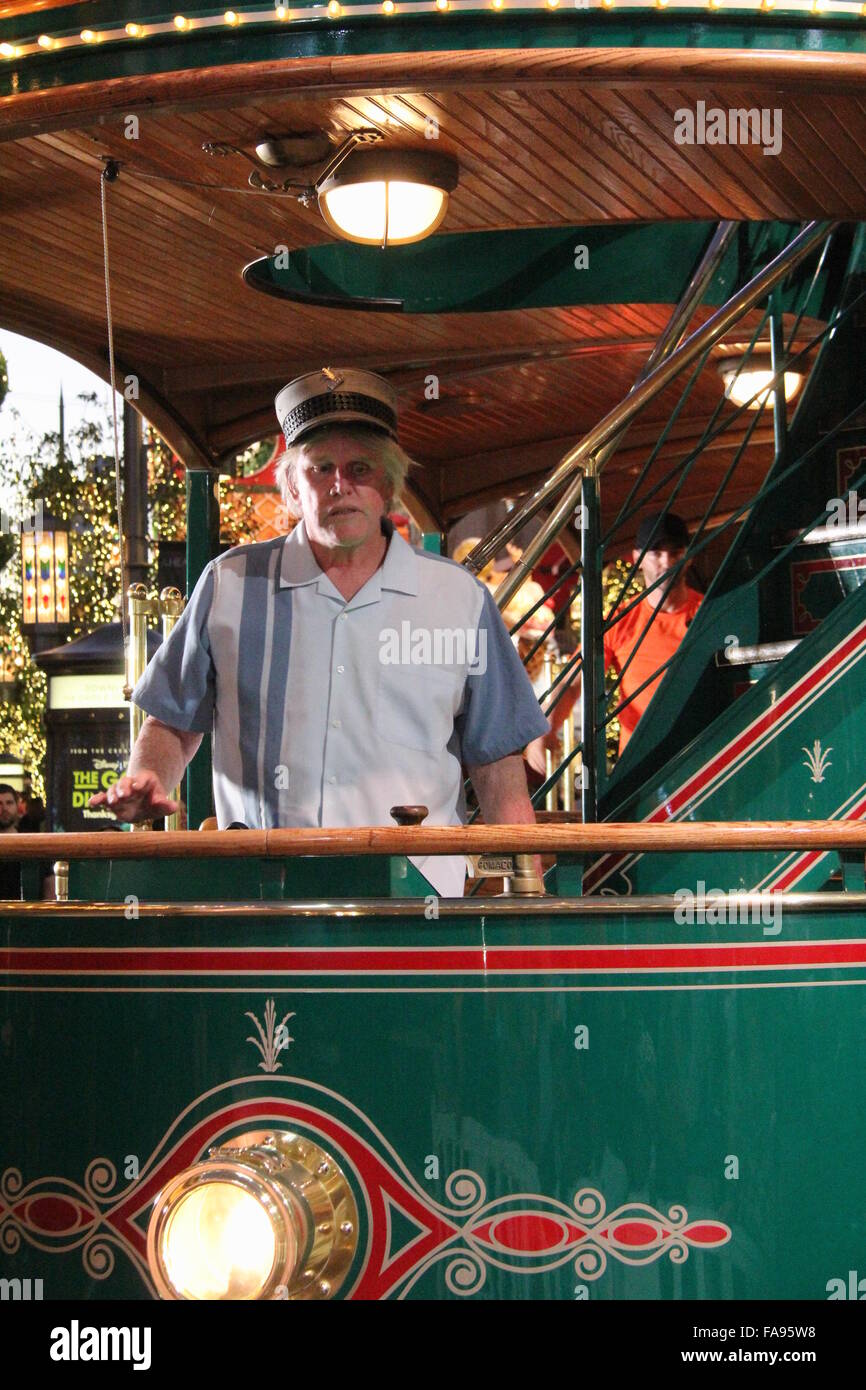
x,y
717,765
795,871
426,961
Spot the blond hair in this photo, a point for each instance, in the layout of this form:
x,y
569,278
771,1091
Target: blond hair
x,y
384,450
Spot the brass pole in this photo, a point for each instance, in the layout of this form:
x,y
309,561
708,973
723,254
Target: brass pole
x,y
140,609
171,605
551,796
568,780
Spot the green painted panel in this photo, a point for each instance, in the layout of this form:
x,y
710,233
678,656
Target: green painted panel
x,y
473,272
668,1102
789,748
250,879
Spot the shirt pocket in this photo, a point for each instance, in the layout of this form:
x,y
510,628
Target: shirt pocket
x,y
416,706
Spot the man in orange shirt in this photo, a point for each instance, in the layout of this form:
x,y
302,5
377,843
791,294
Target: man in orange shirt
x,y
663,615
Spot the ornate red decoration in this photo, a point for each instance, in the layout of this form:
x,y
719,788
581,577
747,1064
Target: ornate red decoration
x,y
525,1233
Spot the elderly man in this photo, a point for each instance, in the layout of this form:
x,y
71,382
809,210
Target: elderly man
x,y
341,671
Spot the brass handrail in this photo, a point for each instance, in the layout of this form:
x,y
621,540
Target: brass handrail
x,y
668,341
622,414
605,837
646,904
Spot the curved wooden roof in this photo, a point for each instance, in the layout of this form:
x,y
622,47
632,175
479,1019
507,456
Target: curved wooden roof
x,y
544,137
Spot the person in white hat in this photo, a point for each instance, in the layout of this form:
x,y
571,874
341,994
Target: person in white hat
x,y
340,670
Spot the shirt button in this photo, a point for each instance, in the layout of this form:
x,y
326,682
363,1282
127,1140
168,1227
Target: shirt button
x,y
343,617
336,724
332,780
340,670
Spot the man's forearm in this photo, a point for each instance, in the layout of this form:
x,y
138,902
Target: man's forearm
x,y
163,750
501,791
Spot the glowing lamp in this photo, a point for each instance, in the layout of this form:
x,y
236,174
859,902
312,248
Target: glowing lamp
x,y
388,197
267,1215
45,576
756,380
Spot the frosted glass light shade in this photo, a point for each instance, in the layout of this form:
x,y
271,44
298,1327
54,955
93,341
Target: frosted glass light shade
x,y
388,197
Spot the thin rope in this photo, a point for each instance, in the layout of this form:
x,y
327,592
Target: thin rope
x,y
118,490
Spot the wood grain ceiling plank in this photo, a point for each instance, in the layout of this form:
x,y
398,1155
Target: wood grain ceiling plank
x,y
467,482
824,150
593,162
536,140
27,112
790,176
486,146
128,225
651,124
585,121
194,205
135,301
721,165
631,133
242,210
855,128
747,166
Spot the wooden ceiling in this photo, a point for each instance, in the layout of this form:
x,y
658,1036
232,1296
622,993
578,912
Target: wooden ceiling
x,y
211,353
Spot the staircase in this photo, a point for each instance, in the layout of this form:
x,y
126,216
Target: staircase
x,y
760,714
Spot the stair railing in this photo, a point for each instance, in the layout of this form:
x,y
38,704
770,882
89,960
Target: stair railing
x,y
577,477
785,358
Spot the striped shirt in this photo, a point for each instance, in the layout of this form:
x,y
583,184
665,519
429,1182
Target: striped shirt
x,y
328,712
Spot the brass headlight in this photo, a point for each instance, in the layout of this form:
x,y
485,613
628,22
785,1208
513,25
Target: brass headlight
x,y
266,1215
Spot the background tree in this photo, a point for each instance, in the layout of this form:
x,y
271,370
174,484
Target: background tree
x,y
76,484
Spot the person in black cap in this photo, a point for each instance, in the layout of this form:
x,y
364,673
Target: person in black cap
x,y
662,616
340,670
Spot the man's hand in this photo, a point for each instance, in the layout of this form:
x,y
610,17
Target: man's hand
x,y
503,797
141,797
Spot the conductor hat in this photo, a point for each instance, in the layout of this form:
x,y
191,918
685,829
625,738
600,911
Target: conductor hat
x,y
662,529
336,396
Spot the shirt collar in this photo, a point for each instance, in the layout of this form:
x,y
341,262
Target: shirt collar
x,y
398,571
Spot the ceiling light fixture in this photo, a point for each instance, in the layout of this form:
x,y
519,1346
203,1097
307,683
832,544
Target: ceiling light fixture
x,y
387,197
377,197
755,380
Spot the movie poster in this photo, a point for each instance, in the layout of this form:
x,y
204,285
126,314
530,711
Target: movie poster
x,y
86,761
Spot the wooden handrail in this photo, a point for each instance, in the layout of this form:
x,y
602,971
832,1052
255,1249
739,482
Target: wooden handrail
x,y
604,838
28,113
